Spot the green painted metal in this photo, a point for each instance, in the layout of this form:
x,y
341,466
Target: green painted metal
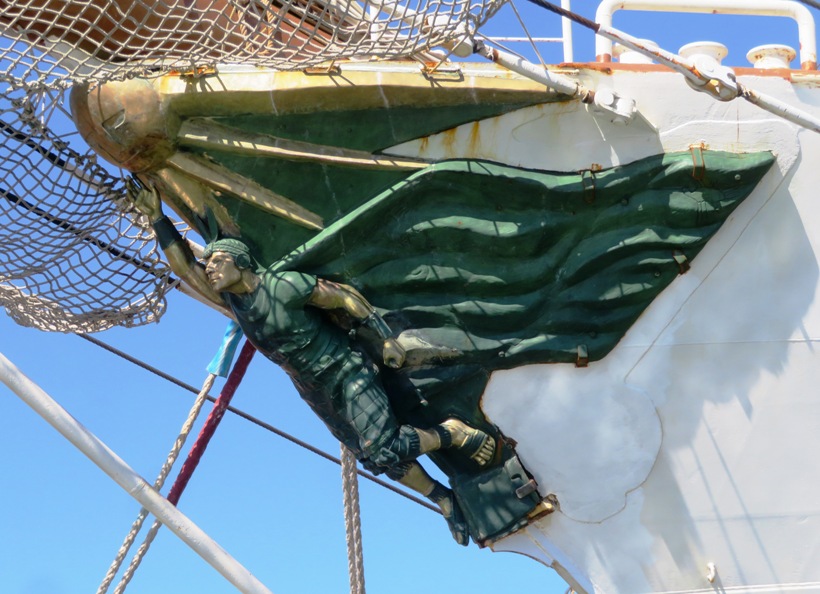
x,y
511,266
372,129
489,500
329,191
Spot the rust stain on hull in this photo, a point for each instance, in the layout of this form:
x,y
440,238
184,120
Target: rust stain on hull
x,y
448,139
475,138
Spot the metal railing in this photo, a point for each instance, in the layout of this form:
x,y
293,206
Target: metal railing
x,y
565,39
784,8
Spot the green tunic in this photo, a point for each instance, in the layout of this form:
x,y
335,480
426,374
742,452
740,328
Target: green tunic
x,y
339,383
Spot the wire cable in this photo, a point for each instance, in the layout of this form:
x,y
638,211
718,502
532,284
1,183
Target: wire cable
x,y
527,33
256,421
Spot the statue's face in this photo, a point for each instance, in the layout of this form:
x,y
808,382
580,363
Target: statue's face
x,y
222,272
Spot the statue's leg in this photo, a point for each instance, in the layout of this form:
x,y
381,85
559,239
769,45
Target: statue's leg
x,y
382,439
387,443
473,442
413,475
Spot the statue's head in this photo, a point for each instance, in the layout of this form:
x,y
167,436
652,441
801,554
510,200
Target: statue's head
x,y
235,247
226,261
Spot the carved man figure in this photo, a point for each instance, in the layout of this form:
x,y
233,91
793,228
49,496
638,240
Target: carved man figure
x,y
281,313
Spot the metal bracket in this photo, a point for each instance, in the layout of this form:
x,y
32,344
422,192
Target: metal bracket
x,y
438,72
197,73
329,70
621,109
582,358
525,489
698,161
588,183
682,261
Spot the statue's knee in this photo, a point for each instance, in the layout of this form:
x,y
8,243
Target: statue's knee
x,y
398,471
384,457
401,446
371,467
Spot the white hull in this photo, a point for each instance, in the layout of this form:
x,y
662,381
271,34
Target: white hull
x,y
692,442
690,445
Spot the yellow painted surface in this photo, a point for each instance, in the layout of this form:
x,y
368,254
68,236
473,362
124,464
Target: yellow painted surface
x,y
355,86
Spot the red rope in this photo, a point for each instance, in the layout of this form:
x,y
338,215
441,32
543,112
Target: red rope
x,y
211,423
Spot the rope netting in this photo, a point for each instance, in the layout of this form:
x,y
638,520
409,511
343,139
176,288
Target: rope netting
x,y
73,258
101,39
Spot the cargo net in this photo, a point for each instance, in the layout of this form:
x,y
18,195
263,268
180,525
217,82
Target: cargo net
x,y
74,256
102,39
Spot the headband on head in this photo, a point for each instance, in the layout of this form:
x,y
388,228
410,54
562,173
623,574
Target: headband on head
x,y
237,249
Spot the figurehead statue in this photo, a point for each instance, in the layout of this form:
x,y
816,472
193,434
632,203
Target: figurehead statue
x,y
281,313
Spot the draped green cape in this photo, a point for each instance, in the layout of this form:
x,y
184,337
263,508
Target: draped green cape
x,y
493,266
481,266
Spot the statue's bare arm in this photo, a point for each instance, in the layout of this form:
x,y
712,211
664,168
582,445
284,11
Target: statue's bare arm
x,y
331,295
179,255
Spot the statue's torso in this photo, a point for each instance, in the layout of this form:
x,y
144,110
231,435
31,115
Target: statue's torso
x,y
316,354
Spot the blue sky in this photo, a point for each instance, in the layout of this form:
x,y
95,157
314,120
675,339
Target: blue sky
x,y
274,506
739,33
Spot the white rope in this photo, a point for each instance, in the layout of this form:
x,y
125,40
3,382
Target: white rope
x,y
138,557
77,258
353,526
163,474
53,41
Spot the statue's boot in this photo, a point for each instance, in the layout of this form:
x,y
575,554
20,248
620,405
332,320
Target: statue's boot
x,y
474,443
450,509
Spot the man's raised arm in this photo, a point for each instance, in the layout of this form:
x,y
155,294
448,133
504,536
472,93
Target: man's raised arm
x,y
330,295
179,255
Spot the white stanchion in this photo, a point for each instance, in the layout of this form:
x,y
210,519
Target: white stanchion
x,y
128,479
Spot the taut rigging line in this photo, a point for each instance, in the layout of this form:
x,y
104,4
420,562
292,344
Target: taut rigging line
x,y
254,420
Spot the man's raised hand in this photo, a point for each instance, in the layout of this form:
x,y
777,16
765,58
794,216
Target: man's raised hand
x,y
145,199
393,353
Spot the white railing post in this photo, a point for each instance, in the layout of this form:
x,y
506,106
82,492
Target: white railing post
x,y
566,33
784,8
